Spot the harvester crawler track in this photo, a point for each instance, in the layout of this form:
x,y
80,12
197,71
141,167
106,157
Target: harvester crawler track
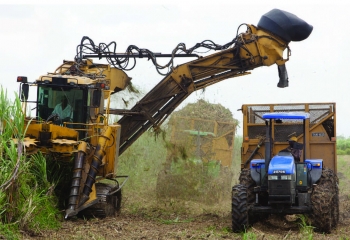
x,y
108,205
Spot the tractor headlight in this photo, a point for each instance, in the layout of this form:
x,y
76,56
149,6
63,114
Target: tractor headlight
x,y
273,177
286,177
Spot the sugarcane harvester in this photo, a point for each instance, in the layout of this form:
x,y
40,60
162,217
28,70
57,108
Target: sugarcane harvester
x,y
95,144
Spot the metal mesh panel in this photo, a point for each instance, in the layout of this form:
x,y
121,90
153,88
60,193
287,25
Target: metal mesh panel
x,y
185,126
215,127
329,127
181,123
255,114
284,132
289,108
203,126
203,139
256,131
318,113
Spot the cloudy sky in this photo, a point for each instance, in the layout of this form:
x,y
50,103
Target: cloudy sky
x,y
36,38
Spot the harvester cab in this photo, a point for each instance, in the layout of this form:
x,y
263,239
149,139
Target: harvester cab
x,y
279,183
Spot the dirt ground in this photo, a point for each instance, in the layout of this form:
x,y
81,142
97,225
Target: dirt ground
x,y
153,224
144,217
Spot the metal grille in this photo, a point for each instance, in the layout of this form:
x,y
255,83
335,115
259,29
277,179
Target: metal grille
x,y
319,113
215,127
203,139
183,126
290,108
284,132
256,131
329,126
255,113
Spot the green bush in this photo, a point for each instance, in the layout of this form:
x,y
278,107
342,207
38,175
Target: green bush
x,y
26,202
343,145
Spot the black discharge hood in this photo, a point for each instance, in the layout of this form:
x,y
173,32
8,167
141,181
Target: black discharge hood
x,y
285,25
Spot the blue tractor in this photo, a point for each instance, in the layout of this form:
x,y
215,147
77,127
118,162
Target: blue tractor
x,y
283,185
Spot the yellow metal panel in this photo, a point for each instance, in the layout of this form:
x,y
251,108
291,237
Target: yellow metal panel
x,y
111,158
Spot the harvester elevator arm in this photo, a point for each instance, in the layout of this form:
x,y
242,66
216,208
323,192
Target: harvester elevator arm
x,y
258,46
253,49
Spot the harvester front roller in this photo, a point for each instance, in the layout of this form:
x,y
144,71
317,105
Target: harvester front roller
x,y
93,198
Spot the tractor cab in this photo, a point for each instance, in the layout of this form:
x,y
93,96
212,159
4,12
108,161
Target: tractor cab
x,y
279,118
273,180
286,180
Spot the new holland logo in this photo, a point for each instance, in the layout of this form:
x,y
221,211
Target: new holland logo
x,y
279,171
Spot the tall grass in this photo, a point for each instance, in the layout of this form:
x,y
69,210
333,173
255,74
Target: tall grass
x,y
343,145
236,162
306,230
26,203
142,162
344,178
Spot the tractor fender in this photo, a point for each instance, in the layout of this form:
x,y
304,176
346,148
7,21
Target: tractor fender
x,y
257,170
314,167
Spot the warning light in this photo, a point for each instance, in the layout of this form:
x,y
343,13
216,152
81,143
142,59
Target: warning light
x,y
22,79
100,85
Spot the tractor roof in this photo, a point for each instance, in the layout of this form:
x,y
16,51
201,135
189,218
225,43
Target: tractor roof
x,y
286,115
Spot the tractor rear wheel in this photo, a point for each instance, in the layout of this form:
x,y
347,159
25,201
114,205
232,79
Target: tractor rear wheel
x,y
335,203
246,179
239,208
325,203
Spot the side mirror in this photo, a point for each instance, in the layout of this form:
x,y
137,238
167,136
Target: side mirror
x,y
96,98
24,92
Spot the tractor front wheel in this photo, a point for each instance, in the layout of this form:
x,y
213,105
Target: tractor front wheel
x,y
246,179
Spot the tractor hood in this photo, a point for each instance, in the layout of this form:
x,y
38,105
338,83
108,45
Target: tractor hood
x,y
281,165
285,25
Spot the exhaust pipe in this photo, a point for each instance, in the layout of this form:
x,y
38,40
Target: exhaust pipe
x,y
283,75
